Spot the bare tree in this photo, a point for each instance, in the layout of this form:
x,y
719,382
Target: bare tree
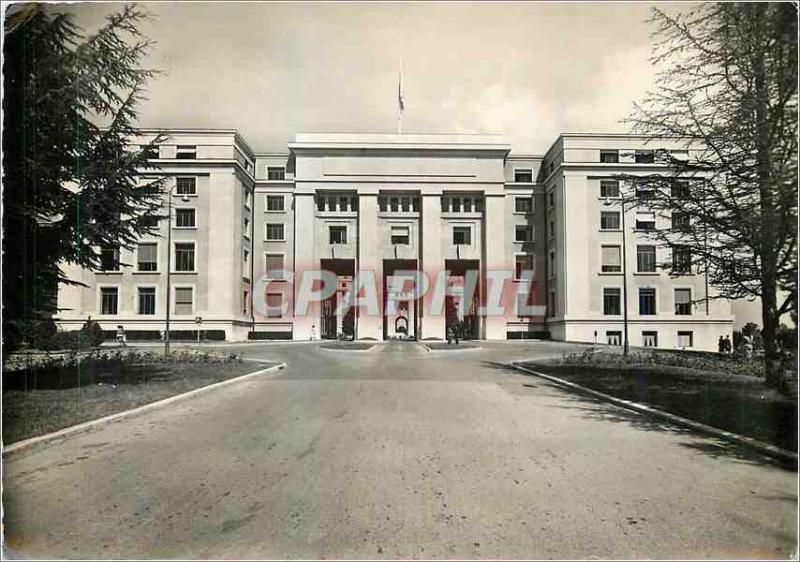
x,y
727,86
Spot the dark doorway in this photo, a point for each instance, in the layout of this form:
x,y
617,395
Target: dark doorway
x,y
461,311
332,325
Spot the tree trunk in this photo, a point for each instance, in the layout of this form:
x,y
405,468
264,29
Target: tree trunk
x,y
775,376
773,364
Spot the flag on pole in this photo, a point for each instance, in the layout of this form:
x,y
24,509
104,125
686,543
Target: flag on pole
x,y
400,104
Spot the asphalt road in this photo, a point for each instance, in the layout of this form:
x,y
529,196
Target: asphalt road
x,y
395,452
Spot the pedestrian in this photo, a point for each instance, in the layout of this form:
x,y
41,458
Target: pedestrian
x,y
721,344
121,339
728,345
313,332
456,331
449,334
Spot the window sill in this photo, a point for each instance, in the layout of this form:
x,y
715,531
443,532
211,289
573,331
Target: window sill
x,y
618,230
145,272
609,273
647,273
184,273
184,195
274,211
184,228
275,240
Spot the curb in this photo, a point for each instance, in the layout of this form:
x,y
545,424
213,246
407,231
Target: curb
x,y
760,446
455,348
92,424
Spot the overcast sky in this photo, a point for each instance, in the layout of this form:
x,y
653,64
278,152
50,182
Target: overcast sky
x,y
524,70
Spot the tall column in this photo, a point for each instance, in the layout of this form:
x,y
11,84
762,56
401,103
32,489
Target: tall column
x,y
495,259
369,325
433,318
307,324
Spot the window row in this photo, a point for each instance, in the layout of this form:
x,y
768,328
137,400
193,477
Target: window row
x,y
612,301
611,259
398,203
461,204
147,257
146,300
684,338
337,203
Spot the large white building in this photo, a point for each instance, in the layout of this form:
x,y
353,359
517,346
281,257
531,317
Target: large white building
x,y
374,207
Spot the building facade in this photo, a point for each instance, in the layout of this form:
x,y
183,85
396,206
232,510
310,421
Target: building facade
x,y
539,235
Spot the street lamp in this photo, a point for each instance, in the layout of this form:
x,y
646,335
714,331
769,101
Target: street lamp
x,y
169,262
624,280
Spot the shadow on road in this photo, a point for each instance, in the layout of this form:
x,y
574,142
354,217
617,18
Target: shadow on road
x,y
596,409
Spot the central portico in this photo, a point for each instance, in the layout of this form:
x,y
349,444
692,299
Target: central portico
x,y
379,205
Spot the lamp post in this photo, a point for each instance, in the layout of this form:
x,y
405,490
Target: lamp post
x,y
624,281
169,264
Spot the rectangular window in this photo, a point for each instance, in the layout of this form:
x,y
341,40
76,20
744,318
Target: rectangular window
x,y
552,229
680,221
523,233
552,199
609,220
683,302
681,260
185,218
645,221
274,231
609,188
685,339
406,204
245,298
183,300
245,263
551,303
456,204
467,205
614,337
650,339
109,259
150,151
644,193
337,234
275,203
445,204
186,152
478,205
400,235
644,157
612,301
109,299
246,227
273,265
147,300
274,305
523,263
150,220
382,204
523,205
610,259
646,259
394,204
147,257
523,176
276,173
462,236
184,256
415,205
551,265
186,186
647,301
344,203
680,189
609,156
354,203
320,203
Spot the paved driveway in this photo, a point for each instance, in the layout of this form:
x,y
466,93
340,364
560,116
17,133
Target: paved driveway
x,y
395,452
